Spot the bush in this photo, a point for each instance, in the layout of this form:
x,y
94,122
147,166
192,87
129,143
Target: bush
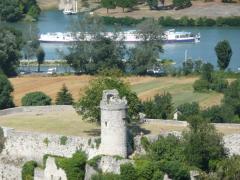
x,y
63,140
128,172
201,85
36,99
219,85
6,100
2,139
28,170
106,176
181,4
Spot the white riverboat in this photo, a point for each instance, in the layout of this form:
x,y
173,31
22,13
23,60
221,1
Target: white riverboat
x,y
170,36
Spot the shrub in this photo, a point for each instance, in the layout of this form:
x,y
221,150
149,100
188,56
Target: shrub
x,y
94,161
128,172
201,85
2,139
36,99
181,4
28,170
63,140
145,143
219,84
106,176
6,100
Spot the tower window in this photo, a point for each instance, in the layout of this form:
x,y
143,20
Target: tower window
x,y
106,123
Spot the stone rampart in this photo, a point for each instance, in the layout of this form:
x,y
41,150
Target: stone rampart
x,y
36,109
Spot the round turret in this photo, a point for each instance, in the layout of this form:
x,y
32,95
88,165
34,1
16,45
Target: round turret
x,y
113,125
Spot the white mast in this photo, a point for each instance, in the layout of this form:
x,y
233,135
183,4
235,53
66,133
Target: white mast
x,y
76,5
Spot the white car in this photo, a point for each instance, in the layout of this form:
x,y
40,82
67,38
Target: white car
x,y
52,71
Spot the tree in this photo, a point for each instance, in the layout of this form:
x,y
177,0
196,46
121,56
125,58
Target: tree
x,y
207,72
36,99
109,4
187,67
6,100
64,97
188,109
160,108
100,53
153,4
202,143
128,172
224,53
89,103
126,3
181,4
40,57
146,53
10,45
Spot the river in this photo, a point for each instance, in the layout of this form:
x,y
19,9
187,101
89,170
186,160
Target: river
x,y
56,21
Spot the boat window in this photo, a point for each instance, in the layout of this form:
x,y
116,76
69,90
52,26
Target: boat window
x,y
177,36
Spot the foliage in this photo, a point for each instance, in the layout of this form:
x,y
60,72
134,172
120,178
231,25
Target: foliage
x,y
188,109
63,140
181,4
28,170
207,72
219,114
36,99
202,143
128,172
89,103
219,84
74,166
108,4
94,161
14,10
159,108
126,3
106,176
153,4
10,45
40,57
232,96
64,97
145,143
46,141
6,100
224,53
123,21
188,67
97,142
2,139
145,54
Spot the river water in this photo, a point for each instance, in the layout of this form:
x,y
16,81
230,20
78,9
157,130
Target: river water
x,y
56,21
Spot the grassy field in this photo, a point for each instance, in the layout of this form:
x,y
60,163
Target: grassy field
x,y
146,87
70,123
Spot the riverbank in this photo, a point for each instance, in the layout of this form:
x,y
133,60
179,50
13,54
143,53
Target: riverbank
x,y
198,9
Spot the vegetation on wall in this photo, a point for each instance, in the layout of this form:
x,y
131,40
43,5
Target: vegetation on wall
x,y
2,140
36,99
28,170
63,140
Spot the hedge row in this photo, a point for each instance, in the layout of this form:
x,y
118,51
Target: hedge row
x,y
169,21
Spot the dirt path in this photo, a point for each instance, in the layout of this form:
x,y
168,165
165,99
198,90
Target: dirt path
x,y
198,9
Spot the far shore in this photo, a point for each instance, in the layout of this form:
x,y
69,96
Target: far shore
x,y
198,9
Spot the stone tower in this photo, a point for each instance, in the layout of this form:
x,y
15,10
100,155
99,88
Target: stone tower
x,y
113,125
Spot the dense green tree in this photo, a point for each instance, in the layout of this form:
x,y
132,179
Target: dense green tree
x,y
159,108
128,172
28,170
198,66
188,109
64,97
89,103
36,99
101,53
224,53
10,45
106,176
202,143
145,55
126,3
207,72
40,57
6,100
153,4
232,96
180,4
108,4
